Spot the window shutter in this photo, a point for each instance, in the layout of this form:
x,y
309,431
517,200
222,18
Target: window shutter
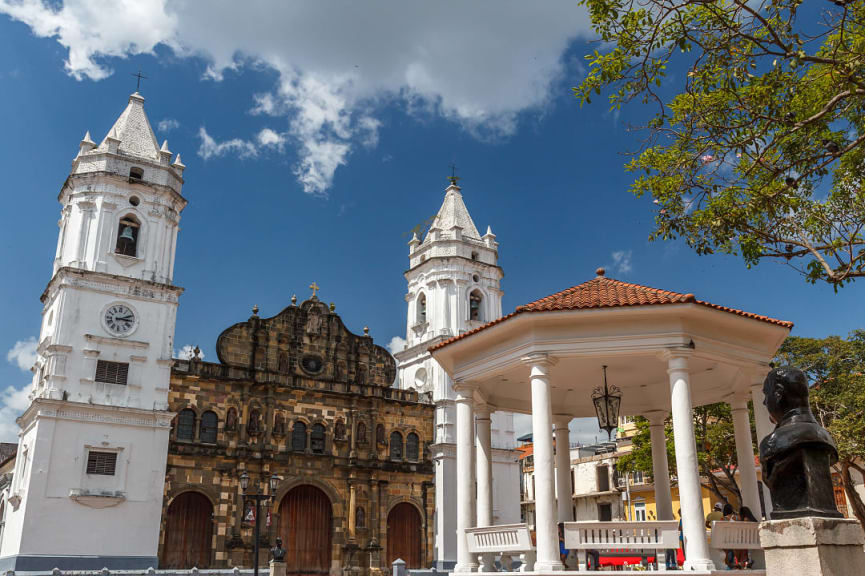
x,y
102,463
112,372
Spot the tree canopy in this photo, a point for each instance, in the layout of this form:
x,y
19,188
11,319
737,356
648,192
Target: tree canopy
x,y
758,150
716,449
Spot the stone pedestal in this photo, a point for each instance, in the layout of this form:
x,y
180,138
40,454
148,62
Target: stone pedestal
x,y
277,568
813,546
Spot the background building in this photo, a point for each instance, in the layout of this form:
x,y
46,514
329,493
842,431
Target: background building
x,y
299,396
453,287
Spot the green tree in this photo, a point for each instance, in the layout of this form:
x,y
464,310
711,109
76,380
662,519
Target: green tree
x,y
716,454
836,368
759,151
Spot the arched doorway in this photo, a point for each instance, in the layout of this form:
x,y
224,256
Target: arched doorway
x,y
188,532
404,534
305,524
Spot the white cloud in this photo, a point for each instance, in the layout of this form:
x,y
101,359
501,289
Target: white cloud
x,y
188,351
13,401
396,344
268,138
622,262
168,124
23,353
480,64
210,148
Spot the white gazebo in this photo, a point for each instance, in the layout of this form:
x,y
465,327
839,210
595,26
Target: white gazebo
x,y
665,351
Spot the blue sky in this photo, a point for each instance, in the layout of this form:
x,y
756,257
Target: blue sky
x,y
310,155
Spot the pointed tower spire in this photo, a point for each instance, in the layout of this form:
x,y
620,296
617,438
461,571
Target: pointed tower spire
x,y
132,130
178,165
454,214
87,144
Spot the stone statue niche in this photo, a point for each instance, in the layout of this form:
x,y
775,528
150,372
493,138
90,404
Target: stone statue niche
x,y
796,458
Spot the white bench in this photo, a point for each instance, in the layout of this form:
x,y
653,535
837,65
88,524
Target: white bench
x,y
507,540
625,536
735,535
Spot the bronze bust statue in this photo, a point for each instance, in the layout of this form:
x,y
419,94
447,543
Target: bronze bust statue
x,y
277,553
796,457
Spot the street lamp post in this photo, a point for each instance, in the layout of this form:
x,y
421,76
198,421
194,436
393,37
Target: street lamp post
x,y
258,498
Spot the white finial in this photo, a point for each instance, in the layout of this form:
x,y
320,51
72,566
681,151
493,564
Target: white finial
x,y
489,231
177,163
165,147
87,139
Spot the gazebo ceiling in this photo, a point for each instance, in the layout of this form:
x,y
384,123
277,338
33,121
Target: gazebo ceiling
x,y
629,328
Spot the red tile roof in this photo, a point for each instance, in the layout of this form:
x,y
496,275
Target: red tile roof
x,y
603,292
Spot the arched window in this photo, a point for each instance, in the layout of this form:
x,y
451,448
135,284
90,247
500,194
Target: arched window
x,y
298,437
316,439
412,447
339,430
361,434
395,445
208,427
421,308
127,236
359,517
136,173
474,255
186,425
475,301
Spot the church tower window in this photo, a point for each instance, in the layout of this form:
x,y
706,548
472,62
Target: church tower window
x,y
316,439
111,372
421,309
136,173
127,236
475,301
395,445
207,431
361,434
186,425
101,463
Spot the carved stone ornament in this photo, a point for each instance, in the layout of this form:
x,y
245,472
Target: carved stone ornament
x,y
796,457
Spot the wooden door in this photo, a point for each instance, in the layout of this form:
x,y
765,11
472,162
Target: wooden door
x,y
305,525
404,534
188,532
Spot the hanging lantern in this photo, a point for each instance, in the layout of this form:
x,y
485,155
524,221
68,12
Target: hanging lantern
x,y
607,401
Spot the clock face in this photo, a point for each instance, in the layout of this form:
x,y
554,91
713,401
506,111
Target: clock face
x,y
119,319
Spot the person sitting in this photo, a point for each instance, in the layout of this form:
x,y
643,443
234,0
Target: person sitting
x,y
715,515
729,556
743,557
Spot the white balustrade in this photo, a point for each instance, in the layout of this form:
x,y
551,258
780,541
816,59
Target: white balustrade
x,y
735,535
507,540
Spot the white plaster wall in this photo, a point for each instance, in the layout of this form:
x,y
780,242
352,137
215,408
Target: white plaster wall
x,y
49,521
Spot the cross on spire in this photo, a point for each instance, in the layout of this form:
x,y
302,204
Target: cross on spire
x,y
314,287
140,77
453,177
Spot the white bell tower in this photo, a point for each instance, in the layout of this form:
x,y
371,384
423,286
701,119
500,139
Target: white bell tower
x,y
89,476
453,286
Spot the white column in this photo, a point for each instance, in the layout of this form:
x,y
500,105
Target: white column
x,y
564,497
465,486
542,436
690,497
484,459
745,452
660,466
764,427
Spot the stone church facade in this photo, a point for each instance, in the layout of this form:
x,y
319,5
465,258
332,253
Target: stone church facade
x,y
300,396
